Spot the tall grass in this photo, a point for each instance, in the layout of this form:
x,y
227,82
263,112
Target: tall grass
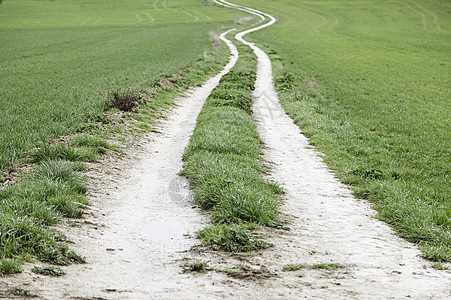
x,y
53,190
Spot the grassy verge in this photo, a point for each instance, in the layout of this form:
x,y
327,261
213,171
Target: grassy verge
x,y
368,83
222,163
51,191
406,180
55,187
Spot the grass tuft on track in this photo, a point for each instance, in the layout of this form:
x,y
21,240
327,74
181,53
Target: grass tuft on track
x,y
232,238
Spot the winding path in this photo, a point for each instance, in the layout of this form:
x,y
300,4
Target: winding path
x,y
328,225
135,248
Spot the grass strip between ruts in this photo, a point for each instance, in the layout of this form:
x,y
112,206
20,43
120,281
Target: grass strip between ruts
x,y
223,163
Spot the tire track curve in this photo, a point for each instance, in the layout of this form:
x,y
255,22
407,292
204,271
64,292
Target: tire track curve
x,y
328,224
135,249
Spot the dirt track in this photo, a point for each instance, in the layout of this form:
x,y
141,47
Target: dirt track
x,y
135,239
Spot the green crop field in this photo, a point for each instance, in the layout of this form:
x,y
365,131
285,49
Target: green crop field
x,y
59,58
370,83
367,81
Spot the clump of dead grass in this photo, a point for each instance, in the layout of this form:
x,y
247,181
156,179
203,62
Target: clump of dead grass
x,y
243,20
214,38
124,100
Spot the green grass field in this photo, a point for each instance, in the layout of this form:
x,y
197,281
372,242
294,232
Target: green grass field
x,y
369,83
58,59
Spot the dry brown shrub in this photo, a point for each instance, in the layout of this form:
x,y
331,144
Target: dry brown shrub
x,y
214,38
243,20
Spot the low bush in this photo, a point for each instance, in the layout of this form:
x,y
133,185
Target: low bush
x,y
124,100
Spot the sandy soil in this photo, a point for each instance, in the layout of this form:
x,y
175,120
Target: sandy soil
x,y
140,230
